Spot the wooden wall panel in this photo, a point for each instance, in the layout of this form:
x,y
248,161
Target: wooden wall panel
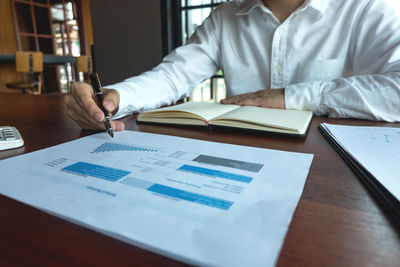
x,y
7,34
8,45
87,25
127,37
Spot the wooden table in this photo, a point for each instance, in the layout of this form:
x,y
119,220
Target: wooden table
x,y
337,222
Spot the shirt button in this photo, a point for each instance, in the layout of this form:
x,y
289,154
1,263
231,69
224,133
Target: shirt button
x,y
277,67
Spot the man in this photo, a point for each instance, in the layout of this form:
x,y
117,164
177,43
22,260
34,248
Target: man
x,y
339,58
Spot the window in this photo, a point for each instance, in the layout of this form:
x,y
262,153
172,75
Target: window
x,y
49,26
183,16
66,37
66,30
193,13
32,25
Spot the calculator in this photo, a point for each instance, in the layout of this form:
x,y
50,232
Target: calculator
x,y
10,138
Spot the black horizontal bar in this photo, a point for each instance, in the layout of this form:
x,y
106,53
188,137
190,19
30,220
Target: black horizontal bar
x,y
47,59
51,59
200,6
5,58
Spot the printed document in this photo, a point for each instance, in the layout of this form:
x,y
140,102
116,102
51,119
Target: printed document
x,y
199,202
377,149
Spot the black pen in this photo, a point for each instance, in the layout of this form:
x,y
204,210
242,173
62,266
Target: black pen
x,y
95,81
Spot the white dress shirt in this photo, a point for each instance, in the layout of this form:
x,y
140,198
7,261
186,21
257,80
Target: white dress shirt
x,y
334,57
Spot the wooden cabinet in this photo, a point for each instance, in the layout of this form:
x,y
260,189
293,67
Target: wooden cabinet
x,y
53,27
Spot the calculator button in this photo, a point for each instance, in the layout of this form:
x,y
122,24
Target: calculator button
x,y
10,138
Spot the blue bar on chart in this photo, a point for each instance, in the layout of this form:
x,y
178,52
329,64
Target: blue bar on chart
x,y
98,171
216,173
190,196
113,147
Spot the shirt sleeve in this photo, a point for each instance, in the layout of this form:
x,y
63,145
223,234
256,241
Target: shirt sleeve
x,y
374,92
176,76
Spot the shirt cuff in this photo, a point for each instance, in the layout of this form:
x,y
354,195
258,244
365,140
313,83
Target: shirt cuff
x,y
305,96
125,107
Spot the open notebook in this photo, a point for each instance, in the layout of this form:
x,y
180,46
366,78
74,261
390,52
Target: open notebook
x,y
293,122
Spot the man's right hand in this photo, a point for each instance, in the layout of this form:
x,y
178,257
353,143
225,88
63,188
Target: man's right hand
x,y
83,109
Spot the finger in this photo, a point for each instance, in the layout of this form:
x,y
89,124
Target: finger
x,y
91,124
80,88
118,125
89,106
83,109
237,98
230,100
73,109
74,106
250,101
86,121
83,122
83,94
111,100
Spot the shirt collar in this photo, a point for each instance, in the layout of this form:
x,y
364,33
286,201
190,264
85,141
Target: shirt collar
x,y
319,5
247,6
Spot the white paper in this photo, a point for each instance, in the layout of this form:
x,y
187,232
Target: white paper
x,y
200,202
377,149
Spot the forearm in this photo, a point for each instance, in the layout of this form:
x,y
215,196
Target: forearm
x,y
372,97
176,76
146,91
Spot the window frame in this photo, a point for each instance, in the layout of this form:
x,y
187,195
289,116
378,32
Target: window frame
x,y
172,13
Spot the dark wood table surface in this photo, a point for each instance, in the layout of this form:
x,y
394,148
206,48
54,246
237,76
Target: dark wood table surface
x,y
337,222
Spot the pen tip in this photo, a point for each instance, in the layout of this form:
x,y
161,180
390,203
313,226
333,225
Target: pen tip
x,y
109,129
111,133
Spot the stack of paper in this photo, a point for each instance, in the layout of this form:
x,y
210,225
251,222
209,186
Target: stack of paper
x,y
374,154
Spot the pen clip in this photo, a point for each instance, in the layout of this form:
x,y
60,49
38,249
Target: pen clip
x,y
95,81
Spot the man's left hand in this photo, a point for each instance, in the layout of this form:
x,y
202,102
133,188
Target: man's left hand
x,y
269,98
